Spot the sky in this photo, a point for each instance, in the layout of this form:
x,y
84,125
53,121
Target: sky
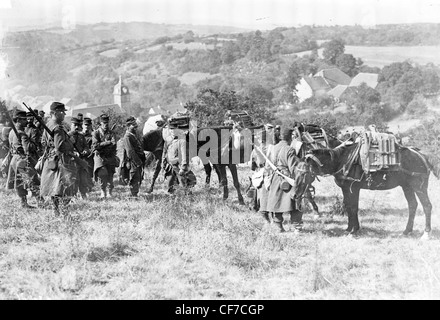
x,y
252,14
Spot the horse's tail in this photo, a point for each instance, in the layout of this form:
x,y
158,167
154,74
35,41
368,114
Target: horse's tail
x,y
434,164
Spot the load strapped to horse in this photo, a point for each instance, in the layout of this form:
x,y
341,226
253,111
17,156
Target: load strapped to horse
x,y
312,135
374,152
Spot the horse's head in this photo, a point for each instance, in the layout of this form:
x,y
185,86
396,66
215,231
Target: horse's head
x,y
304,177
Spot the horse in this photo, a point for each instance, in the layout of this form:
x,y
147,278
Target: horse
x,y
153,141
412,175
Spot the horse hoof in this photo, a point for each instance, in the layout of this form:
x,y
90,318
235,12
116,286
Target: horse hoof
x,y
406,233
426,236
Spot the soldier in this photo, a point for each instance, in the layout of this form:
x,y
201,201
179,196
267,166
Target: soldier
x,y
175,160
21,173
58,177
5,128
262,175
33,133
133,158
84,181
105,160
279,200
87,132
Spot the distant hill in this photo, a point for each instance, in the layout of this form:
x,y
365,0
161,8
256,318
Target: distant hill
x,y
123,31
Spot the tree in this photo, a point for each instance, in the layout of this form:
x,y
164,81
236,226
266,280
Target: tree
x,y
348,64
333,49
188,37
210,106
292,80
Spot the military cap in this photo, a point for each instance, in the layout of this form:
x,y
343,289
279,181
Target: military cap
x,y
87,121
29,115
104,118
57,106
130,121
269,126
80,116
41,113
75,121
18,114
287,134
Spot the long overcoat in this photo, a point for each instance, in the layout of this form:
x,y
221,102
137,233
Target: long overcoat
x,y
284,158
104,147
59,174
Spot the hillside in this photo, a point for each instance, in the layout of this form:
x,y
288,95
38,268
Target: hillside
x,y
168,65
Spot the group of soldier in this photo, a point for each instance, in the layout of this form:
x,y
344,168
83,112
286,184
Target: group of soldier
x,y
51,161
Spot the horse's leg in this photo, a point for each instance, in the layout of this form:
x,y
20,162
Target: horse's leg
x,y
234,173
158,156
222,178
208,171
427,208
412,207
312,203
219,173
351,203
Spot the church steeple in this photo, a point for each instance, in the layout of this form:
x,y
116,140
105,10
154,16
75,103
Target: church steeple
x,y
121,95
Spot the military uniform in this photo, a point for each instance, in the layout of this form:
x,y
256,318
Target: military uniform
x,y
88,136
105,160
4,149
175,161
283,156
35,139
59,174
133,158
21,174
84,181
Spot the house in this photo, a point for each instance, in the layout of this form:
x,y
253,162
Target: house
x,y
334,77
337,91
321,83
311,86
370,79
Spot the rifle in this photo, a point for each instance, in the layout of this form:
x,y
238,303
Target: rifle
x,y
80,161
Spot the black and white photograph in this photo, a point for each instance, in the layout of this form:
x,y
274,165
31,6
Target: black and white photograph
x,y
209,151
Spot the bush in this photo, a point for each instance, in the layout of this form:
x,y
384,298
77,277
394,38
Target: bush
x,y
417,107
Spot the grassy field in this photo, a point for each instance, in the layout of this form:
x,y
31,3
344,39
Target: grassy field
x,y
383,56
201,247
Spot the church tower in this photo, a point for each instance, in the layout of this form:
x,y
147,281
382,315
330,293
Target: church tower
x,y
121,95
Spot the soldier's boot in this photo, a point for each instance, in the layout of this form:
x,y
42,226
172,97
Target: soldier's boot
x,y
110,192
40,202
266,217
24,203
279,226
103,193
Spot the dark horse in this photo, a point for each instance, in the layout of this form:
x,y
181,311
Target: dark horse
x,y
153,141
412,175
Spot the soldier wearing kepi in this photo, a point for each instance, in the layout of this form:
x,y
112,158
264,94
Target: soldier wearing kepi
x,y
175,159
105,160
84,182
279,200
58,176
87,132
33,133
133,158
21,174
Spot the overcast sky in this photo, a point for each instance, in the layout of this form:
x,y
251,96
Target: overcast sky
x,y
254,14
